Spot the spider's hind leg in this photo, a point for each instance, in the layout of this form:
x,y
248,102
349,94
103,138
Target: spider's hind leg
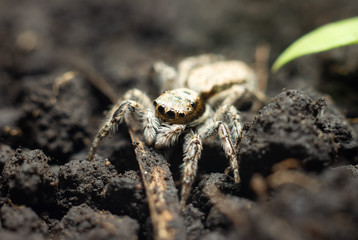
x,y
238,95
230,115
221,129
163,75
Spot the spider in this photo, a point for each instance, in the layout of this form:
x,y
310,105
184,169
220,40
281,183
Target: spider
x,y
198,101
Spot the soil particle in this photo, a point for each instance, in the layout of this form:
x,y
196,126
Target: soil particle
x,y
292,125
82,222
351,169
6,152
28,179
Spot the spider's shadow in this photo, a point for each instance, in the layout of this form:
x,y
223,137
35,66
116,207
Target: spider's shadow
x,y
212,160
122,151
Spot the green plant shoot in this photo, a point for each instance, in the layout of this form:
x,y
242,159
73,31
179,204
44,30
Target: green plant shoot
x,y
329,36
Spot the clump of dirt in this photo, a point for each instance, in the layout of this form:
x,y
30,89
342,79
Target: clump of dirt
x,y
294,125
28,179
55,114
21,222
97,184
55,192
83,222
6,153
294,212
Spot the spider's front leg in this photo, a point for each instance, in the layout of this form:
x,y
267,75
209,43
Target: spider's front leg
x,y
135,102
168,135
193,148
192,152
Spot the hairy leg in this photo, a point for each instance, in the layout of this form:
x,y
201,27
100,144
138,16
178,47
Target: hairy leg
x,y
114,118
236,95
168,135
192,153
230,115
148,120
138,96
221,129
164,75
134,103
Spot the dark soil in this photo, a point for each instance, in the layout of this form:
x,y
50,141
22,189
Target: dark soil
x,y
299,153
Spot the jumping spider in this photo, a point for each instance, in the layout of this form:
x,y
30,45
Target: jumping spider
x,y
199,101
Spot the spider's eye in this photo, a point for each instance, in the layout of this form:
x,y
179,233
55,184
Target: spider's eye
x,y
193,105
171,114
181,115
161,110
155,103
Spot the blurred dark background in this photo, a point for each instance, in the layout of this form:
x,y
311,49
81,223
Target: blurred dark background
x,y
122,38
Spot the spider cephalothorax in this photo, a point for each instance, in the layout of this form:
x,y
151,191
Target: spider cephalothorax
x,y
198,101
179,106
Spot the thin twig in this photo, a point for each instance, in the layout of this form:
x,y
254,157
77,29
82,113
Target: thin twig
x,y
160,190
261,66
91,75
353,120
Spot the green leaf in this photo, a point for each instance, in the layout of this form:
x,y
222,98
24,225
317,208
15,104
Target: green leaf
x,y
329,36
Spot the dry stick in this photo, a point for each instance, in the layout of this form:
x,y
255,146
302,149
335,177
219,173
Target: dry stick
x,y
91,75
261,65
160,190
353,120
158,182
